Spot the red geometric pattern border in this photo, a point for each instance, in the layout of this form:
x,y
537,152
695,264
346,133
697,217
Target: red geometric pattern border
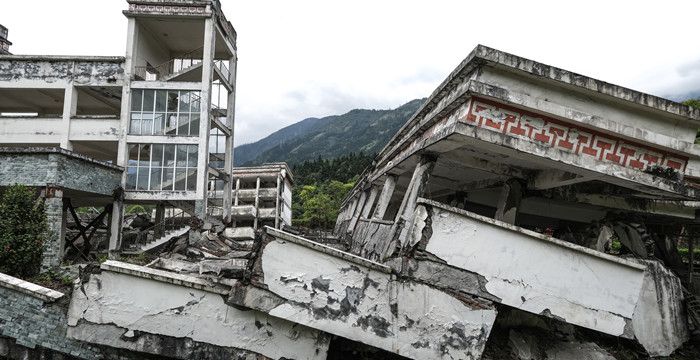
x,y
584,142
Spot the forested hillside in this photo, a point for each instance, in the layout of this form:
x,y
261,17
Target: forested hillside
x,y
359,130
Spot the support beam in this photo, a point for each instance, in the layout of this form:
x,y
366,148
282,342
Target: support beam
x,y
548,179
257,202
277,203
509,201
56,221
115,226
370,201
357,212
416,188
385,196
70,106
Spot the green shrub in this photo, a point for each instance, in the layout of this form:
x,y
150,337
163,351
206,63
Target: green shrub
x,y
22,231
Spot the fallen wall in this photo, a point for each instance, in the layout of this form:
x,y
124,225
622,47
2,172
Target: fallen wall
x,y
342,294
34,318
153,311
545,276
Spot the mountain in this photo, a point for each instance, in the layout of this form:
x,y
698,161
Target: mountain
x,y
359,130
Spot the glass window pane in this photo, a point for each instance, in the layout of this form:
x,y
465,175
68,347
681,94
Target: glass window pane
x,y
169,157
161,100
192,179
212,144
181,156
147,124
194,124
172,101
183,123
194,101
136,99
156,178
192,154
142,179
167,183
184,101
157,155
158,123
171,124
131,178
133,154
144,155
148,100
135,125
180,179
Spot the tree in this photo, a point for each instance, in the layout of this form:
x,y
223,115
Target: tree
x,y
23,229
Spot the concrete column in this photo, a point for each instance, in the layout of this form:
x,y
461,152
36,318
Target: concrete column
x,y
257,203
205,117
370,201
160,218
385,196
228,158
415,189
56,221
235,196
70,107
509,201
115,226
357,212
125,114
277,204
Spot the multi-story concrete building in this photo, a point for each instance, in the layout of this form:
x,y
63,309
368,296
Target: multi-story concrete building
x,y
157,122
262,196
4,43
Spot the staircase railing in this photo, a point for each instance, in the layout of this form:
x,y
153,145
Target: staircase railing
x,y
159,229
170,67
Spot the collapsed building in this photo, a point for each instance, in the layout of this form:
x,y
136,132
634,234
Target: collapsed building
x,y
521,199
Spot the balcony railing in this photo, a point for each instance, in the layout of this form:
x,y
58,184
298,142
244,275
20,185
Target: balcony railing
x,y
170,67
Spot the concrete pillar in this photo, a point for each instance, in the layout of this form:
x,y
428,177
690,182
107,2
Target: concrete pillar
x,y
385,196
56,220
509,201
205,117
370,201
160,218
115,225
257,203
230,120
416,188
235,195
70,107
357,212
277,204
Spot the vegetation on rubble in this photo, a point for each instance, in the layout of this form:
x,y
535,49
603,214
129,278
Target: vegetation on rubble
x,y
23,228
321,185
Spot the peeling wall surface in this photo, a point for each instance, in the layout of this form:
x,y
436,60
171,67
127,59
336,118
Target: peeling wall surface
x,y
60,70
659,320
128,312
538,274
58,168
371,306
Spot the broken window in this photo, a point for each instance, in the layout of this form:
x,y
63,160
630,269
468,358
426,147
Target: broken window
x,y
162,167
164,112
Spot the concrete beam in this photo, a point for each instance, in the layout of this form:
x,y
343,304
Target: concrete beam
x,y
342,294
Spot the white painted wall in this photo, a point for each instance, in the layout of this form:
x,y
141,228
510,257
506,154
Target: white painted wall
x,y
538,274
422,327
619,116
138,304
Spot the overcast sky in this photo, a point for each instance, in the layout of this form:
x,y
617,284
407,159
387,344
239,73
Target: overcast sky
x,y
300,58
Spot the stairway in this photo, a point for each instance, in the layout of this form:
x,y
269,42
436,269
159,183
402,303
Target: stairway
x,y
169,235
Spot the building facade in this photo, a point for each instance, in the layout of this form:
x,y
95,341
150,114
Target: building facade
x,y
163,113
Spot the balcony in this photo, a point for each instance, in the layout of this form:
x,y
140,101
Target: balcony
x,y
244,211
